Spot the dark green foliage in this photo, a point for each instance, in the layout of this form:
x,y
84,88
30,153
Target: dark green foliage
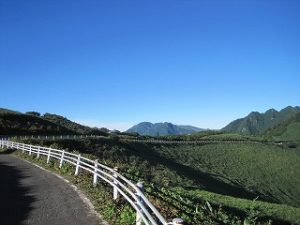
x,y
33,113
24,124
8,111
31,123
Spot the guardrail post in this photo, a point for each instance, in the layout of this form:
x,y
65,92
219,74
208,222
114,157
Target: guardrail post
x,y
140,186
95,179
38,153
49,154
30,149
77,165
61,159
23,148
176,221
115,192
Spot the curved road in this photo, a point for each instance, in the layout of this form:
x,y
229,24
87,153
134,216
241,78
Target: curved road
x,y
31,196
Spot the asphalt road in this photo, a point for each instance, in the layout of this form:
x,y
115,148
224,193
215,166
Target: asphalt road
x,y
29,195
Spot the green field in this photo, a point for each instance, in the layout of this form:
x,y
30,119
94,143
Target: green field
x,y
244,170
212,183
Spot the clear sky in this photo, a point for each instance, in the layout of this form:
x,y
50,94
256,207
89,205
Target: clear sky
x,y
116,63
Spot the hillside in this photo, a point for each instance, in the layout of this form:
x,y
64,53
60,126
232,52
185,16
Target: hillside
x,y
30,123
74,127
161,129
15,123
258,123
229,172
287,130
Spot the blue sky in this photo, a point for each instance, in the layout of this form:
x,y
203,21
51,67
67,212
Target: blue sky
x,y
117,63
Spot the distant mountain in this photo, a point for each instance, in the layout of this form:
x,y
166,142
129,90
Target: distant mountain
x,y
160,129
30,123
258,123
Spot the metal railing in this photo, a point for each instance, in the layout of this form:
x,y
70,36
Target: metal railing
x,y
133,193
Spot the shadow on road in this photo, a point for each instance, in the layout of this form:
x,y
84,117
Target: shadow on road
x,y
15,200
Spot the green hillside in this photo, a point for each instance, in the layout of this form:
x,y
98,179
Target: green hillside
x,y
292,132
30,123
286,131
74,127
258,123
15,123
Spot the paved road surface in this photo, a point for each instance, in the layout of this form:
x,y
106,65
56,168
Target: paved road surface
x,y
31,196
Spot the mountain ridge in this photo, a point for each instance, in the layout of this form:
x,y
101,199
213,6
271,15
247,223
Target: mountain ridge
x,y
256,123
161,129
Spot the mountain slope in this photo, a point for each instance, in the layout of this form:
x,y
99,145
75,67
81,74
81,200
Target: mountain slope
x,y
160,129
258,123
74,127
15,123
30,123
287,130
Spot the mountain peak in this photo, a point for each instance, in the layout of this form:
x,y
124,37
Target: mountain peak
x,y
160,129
270,111
258,123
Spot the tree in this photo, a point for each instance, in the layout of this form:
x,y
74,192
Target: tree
x,y
32,113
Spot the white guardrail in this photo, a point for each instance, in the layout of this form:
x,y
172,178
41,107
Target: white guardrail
x,y
133,193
